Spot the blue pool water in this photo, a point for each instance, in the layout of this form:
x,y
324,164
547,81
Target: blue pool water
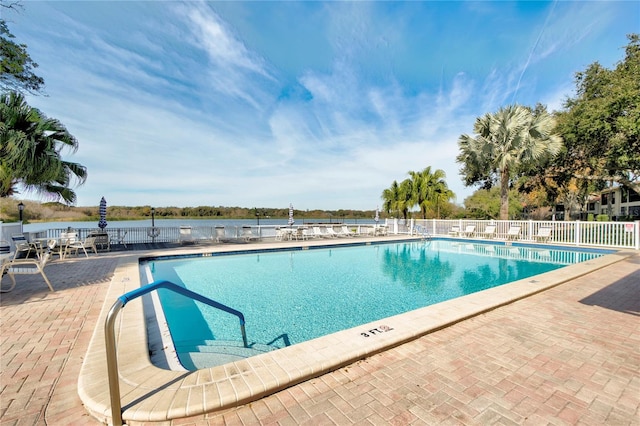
x,y
289,297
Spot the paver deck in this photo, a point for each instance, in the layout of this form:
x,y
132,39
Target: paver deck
x,y
568,355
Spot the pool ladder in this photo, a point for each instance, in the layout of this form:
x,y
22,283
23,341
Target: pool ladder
x,y
422,230
110,338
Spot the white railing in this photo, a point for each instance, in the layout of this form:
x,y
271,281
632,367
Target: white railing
x,y
578,233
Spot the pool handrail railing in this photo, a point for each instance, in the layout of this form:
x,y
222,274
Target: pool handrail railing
x,y
110,338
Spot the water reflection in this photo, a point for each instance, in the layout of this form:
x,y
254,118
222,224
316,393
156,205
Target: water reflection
x,y
415,266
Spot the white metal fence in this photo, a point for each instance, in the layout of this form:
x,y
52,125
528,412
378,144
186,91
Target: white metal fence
x,y
599,234
578,233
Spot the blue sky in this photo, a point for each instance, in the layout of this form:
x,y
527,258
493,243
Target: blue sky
x,y
323,105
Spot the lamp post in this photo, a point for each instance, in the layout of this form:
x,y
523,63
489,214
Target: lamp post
x,y
20,210
257,216
153,232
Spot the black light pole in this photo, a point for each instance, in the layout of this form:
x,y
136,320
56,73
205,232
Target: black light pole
x,y
20,210
153,232
257,216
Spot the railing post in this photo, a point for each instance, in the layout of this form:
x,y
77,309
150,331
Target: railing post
x,y
578,231
637,234
112,363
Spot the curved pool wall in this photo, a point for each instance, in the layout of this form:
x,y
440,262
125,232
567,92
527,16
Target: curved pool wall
x,y
291,296
149,393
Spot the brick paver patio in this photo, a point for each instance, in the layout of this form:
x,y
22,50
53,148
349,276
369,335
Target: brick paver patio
x,y
570,355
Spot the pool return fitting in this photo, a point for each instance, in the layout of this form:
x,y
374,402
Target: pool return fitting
x,y
110,337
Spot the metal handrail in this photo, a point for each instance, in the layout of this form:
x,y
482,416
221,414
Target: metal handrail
x,y
110,338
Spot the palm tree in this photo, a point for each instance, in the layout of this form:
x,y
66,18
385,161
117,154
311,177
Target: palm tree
x,y
429,189
511,140
30,148
438,191
397,198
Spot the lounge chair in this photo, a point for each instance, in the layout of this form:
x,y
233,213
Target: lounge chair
x,y
489,231
5,248
381,230
317,232
454,231
513,233
468,231
330,232
186,237
544,234
221,235
119,238
248,235
74,244
301,234
101,239
346,232
27,267
22,246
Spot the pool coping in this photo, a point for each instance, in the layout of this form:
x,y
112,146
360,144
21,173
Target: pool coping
x,y
150,393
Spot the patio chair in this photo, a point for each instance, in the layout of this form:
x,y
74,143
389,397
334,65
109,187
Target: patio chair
x,y
513,233
301,234
74,244
346,232
381,230
454,231
544,234
489,231
5,247
248,235
330,232
101,239
468,231
317,232
119,238
26,267
22,246
221,235
186,237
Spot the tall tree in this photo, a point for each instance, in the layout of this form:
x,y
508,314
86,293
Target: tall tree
x,y
16,66
506,143
30,152
601,124
429,189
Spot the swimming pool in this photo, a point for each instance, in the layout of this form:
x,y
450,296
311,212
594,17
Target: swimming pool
x,y
290,296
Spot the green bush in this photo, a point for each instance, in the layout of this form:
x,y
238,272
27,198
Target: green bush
x,y
602,218
590,217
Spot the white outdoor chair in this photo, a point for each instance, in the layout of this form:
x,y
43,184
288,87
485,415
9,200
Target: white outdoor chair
x,y
27,267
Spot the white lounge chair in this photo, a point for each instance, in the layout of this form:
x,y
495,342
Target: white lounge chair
x,y
489,231
248,235
27,267
381,230
330,232
301,234
468,231
346,232
544,234
513,233
220,236
74,244
317,232
454,231
186,237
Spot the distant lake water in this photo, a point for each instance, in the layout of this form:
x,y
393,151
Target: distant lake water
x,y
43,226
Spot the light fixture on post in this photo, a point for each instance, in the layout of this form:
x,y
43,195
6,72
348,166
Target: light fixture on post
x,y
153,217
20,210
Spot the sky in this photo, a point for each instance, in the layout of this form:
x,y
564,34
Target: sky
x,y
318,104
